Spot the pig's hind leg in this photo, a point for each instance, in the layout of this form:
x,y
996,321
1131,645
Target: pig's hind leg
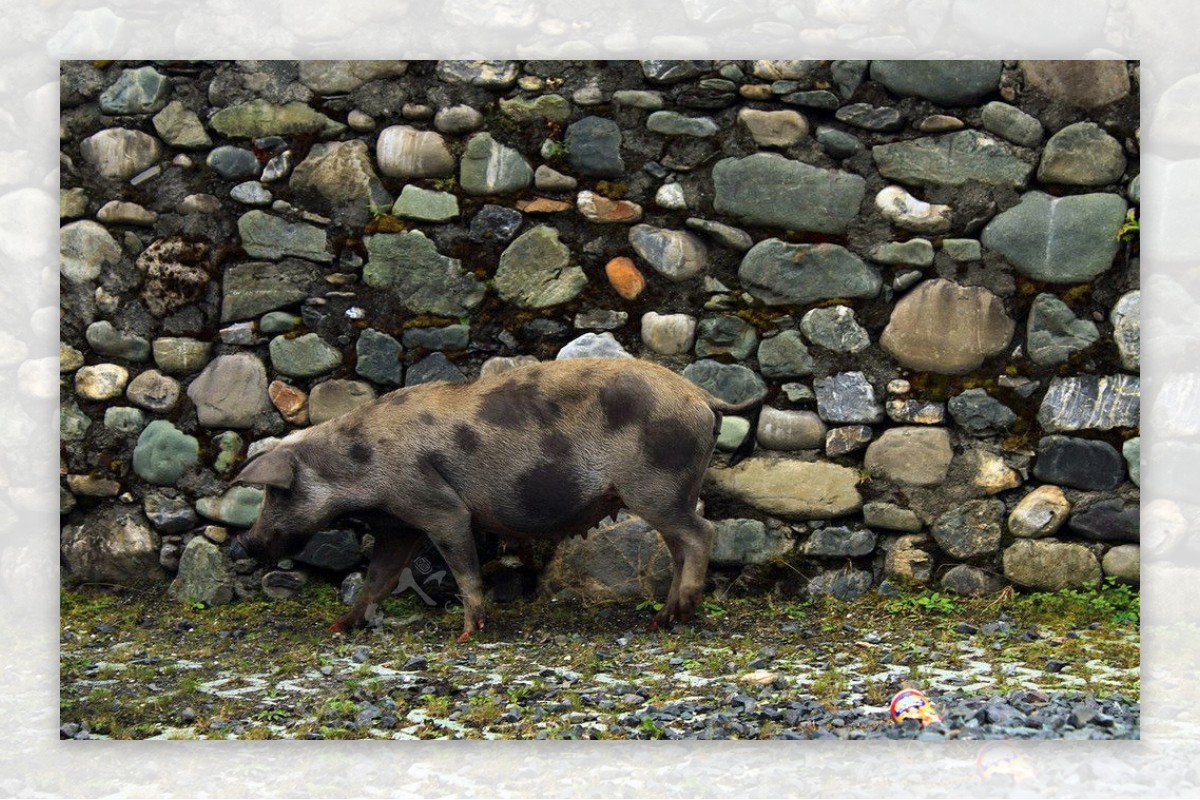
x,y
393,551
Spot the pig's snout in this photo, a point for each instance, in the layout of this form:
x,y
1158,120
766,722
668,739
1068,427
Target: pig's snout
x,y
237,550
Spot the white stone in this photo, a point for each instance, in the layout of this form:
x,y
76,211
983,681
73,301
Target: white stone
x,y
670,195
668,334
912,214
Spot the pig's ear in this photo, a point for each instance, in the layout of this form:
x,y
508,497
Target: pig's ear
x,y
275,468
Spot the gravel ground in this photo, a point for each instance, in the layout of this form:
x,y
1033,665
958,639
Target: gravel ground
x,y
138,666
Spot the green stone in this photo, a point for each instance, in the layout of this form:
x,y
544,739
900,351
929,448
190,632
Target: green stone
x,y
239,506
262,118
303,357
164,453
952,160
378,358
205,574
552,107
181,355
733,432
137,91
278,322
1132,450
73,423
768,189
124,419
424,280
489,167
535,270
785,356
779,273
962,249
267,236
918,252
227,446
248,290
425,205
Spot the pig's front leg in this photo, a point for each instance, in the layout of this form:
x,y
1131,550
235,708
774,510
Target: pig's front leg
x,y
393,551
453,538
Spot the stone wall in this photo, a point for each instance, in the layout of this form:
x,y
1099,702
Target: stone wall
x,y
927,265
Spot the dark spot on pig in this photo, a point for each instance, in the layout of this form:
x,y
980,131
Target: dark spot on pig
x,y
518,405
669,444
361,453
625,400
549,493
397,398
556,447
466,438
425,418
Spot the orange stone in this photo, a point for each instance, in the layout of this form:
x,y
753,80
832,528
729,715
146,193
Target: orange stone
x,y
291,402
542,205
599,208
625,277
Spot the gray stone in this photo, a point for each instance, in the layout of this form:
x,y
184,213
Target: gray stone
x,y
424,280
952,160
119,212
971,581
233,163
406,152
1082,155
734,431
550,180
489,167
260,117
1126,319
85,249
434,367
847,397
331,399
725,335
891,517
668,334
205,574
252,193
848,75
1082,84
962,249
181,355
281,584
164,453
980,414
491,74
661,71
169,514
248,290
536,272
637,98
1050,565
1091,402
278,322
732,383
113,545
789,430
769,189
378,358
971,530
267,236
837,542
495,223
426,205
1054,332
108,341
918,252
1134,190
340,174
239,506
835,328
593,345
1059,240
724,235
739,542
154,391
457,120
672,123
946,328
594,147
1132,450
838,144
120,153
947,82
920,412
182,128
1123,562
790,489
123,419
843,584
871,118
601,319
620,561
847,439
1011,123
336,550
231,391
451,337
779,273
914,455
907,562
1111,520
304,356
774,128
338,77
101,381
677,255
1078,463
784,356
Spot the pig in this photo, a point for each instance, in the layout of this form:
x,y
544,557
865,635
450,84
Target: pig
x,y
544,450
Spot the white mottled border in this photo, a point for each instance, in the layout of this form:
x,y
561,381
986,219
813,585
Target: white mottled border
x,y
36,33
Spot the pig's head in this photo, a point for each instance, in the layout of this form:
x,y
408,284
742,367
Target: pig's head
x,y
295,506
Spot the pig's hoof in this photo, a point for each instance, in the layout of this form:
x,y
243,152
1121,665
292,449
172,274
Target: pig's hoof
x,y
464,637
337,627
